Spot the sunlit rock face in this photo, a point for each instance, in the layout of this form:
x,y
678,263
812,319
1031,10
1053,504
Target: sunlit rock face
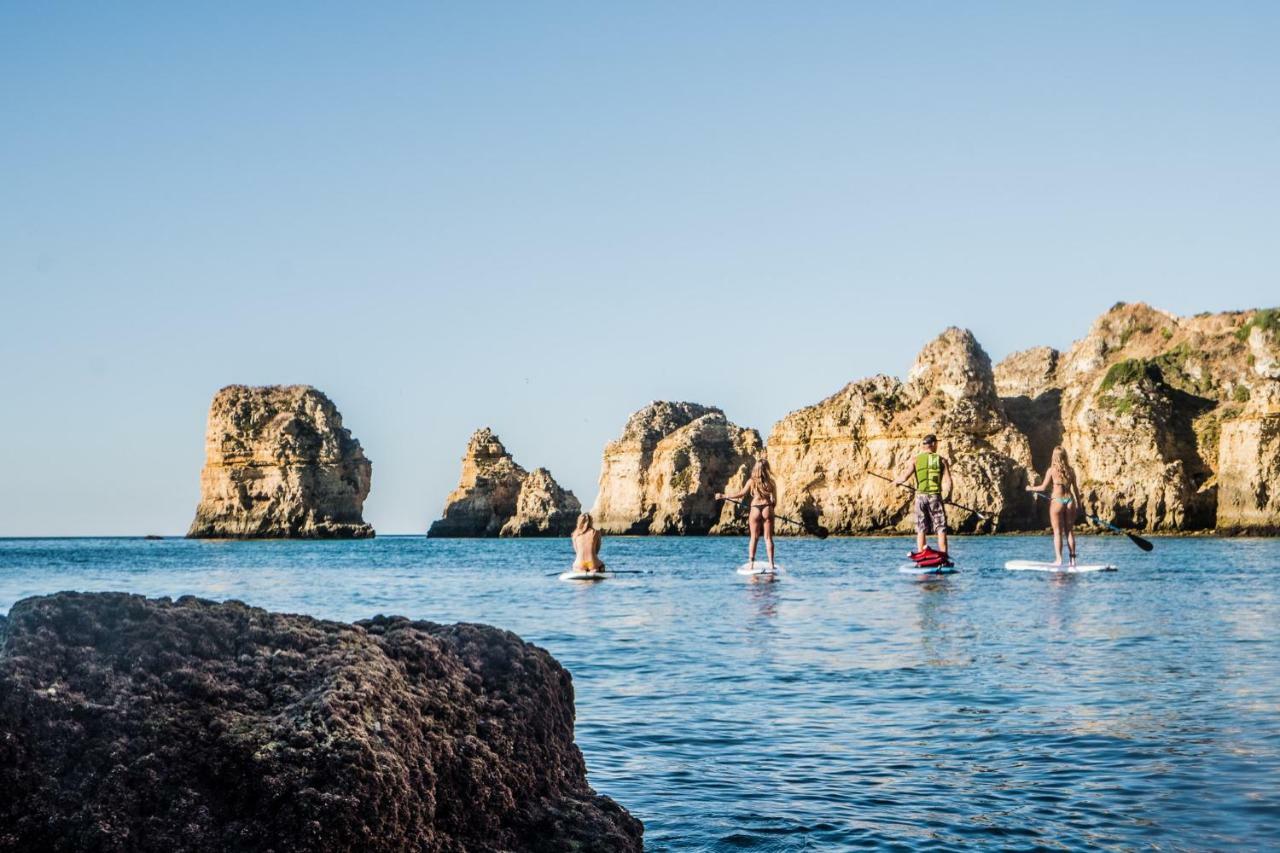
x,y
543,508
279,463
661,475
1166,418
497,497
824,455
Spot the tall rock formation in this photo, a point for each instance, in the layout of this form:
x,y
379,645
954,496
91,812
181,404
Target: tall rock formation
x,y
279,463
824,454
1249,444
497,497
1152,408
153,725
661,475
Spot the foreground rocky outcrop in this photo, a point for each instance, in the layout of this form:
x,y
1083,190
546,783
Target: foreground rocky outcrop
x,y
496,497
1167,418
279,463
661,475
824,455
154,725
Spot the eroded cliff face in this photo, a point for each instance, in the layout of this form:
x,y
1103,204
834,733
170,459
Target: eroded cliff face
x,y
1249,446
1154,411
495,496
823,455
662,473
542,508
141,724
279,463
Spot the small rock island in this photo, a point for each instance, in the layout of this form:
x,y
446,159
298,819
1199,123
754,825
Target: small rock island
x,y
496,497
280,464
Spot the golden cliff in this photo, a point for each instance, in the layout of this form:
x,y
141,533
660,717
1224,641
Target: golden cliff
x,y
280,464
824,455
1172,423
661,475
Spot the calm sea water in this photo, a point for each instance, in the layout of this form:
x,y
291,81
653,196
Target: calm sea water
x,y
846,705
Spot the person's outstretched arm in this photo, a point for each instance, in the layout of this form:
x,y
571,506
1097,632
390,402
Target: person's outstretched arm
x,y
736,495
1043,485
908,471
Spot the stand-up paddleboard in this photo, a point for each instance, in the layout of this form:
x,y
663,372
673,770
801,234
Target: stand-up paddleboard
x,y
573,575
760,568
1037,566
913,569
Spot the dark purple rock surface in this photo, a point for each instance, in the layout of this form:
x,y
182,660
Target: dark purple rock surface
x,y
129,723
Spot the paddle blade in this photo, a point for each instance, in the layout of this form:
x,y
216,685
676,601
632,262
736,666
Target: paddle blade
x,y
1140,542
821,532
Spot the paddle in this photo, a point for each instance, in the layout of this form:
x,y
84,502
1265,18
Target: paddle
x,y
1133,537
978,513
817,530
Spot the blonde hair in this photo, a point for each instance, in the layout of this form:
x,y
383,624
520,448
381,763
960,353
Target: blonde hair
x,y
762,484
584,523
1061,464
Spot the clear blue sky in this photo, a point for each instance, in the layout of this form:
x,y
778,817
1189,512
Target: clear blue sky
x,y
541,216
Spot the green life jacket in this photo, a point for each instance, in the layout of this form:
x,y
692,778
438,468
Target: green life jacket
x,y
929,474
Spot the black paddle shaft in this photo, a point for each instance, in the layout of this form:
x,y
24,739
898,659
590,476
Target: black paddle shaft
x,y
1133,537
979,513
817,529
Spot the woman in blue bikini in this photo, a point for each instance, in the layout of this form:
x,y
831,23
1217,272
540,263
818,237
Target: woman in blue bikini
x,y
1064,503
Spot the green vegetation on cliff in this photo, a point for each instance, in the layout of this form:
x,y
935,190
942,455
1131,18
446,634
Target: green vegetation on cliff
x,y
1267,319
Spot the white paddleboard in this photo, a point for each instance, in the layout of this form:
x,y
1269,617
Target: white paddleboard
x,y
913,569
759,567
572,575
1037,566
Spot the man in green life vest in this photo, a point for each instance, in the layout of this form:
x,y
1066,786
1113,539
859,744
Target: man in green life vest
x,y
931,476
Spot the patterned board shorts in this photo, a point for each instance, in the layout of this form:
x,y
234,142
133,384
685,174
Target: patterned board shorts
x,y
931,516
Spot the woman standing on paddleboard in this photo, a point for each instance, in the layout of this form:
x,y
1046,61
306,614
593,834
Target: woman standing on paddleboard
x,y
764,497
1064,503
586,546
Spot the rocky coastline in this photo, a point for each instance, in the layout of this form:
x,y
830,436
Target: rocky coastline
x,y
1172,423
129,723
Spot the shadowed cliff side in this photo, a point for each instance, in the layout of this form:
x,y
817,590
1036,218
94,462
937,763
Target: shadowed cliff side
x,y
153,725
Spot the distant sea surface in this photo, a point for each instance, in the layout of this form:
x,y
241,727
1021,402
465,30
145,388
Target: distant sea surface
x,y
845,705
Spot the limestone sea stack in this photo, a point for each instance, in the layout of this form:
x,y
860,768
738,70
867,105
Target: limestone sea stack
x,y
141,724
661,475
496,497
280,464
824,455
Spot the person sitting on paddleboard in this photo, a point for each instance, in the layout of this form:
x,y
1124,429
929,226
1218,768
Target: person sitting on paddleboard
x,y
1064,502
586,546
932,475
764,497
